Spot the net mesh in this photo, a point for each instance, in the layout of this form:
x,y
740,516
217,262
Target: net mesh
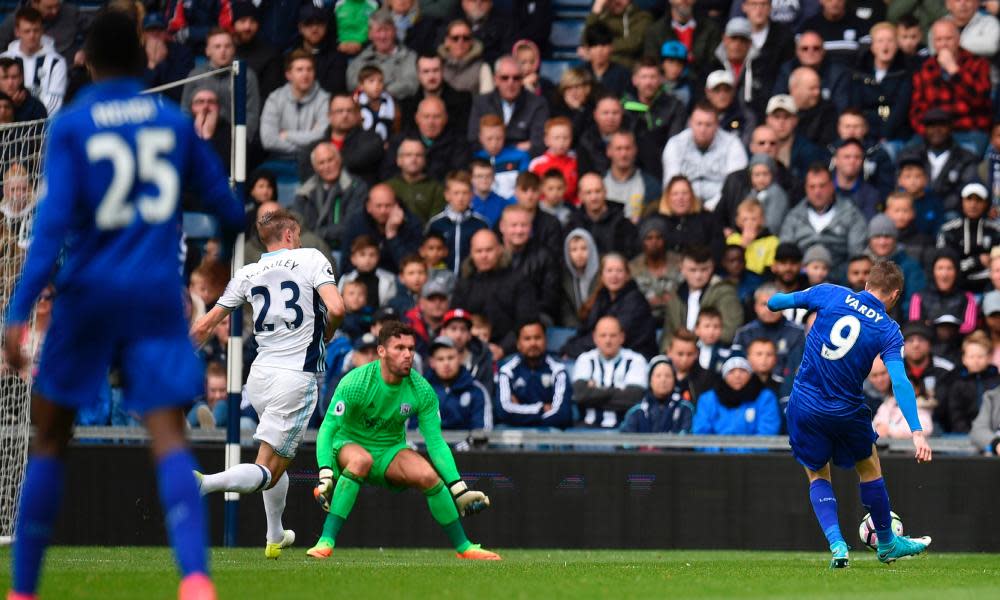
x,y
20,161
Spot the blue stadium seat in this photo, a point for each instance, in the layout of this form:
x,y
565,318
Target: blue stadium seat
x,y
566,34
555,337
200,226
553,69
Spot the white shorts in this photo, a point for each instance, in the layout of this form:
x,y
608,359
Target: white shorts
x,y
284,400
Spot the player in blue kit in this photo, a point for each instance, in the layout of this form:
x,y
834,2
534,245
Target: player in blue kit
x,y
828,420
109,203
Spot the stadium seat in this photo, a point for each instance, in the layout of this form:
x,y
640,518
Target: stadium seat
x,y
553,69
555,337
566,34
200,226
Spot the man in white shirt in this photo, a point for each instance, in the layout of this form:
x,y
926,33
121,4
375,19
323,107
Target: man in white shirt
x,y
609,379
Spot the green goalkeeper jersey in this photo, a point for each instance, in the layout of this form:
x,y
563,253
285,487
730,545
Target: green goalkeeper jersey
x,y
370,412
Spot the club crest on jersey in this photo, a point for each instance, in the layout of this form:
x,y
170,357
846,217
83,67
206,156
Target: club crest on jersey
x,y
404,409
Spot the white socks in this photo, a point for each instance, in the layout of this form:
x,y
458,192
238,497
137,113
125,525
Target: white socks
x,y
274,506
243,478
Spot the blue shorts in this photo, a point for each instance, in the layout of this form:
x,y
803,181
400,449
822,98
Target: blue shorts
x,y
91,333
817,439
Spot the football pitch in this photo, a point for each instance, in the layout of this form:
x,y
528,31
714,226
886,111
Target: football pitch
x,y
112,573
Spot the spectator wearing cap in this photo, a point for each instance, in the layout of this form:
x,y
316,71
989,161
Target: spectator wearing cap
x,y
533,387
957,81
677,79
662,409
816,263
734,116
473,353
166,60
881,86
973,235
704,154
489,286
384,315
789,338
295,114
651,113
835,77
362,352
787,269
315,38
794,151
817,116
650,269
395,229
624,181
739,405
253,50
882,245
737,56
943,296
848,177
427,316
609,379
842,31
397,63
463,402
825,219
946,163
531,260
523,113
628,25
700,37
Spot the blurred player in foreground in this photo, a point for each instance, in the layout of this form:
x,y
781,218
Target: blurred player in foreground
x,y
363,439
827,417
296,309
110,202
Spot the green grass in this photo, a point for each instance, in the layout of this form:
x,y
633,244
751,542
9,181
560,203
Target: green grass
x,y
112,573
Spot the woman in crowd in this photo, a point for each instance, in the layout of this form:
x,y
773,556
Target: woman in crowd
x,y
530,58
686,222
943,298
580,275
462,54
574,98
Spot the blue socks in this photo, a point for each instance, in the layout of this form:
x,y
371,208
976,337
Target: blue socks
x,y
41,496
185,515
876,499
825,506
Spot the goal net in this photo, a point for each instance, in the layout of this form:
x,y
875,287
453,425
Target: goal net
x,y
20,162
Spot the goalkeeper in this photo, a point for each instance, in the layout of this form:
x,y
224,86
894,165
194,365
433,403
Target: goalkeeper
x,y
363,439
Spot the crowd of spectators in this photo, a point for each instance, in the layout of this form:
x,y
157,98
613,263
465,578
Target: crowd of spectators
x,y
598,251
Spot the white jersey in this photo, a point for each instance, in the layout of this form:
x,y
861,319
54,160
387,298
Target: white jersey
x,y
288,314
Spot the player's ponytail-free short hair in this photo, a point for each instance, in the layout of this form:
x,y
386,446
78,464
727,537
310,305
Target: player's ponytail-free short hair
x,y
112,46
271,226
393,329
886,277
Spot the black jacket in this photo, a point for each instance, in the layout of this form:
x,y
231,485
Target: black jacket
x,y
698,229
612,231
527,121
965,395
937,379
835,80
266,62
591,152
503,296
362,155
331,65
456,104
422,36
449,152
632,311
547,232
960,168
665,117
819,123
537,265
886,103
496,32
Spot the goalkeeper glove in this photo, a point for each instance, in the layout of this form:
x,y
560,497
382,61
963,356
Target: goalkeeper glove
x,y
468,501
324,488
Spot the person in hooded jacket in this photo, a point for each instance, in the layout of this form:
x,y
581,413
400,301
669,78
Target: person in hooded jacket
x,y
580,274
662,409
739,405
942,296
462,401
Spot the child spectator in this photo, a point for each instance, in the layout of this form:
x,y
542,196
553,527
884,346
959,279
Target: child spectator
x,y
433,251
413,276
662,409
764,187
739,404
545,228
692,380
352,24
597,49
702,288
553,195
507,161
890,423
677,79
463,402
358,317
972,235
533,388
762,354
976,377
487,203
473,354
610,379
816,264
913,180
558,155
754,235
579,279
380,285
481,329
711,354
733,268
378,110
917,244
909,39
457,223
211,410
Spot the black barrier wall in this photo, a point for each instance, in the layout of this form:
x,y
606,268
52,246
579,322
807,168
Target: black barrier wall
x,y
554,500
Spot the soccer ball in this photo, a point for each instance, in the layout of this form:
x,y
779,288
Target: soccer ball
x,y
867,530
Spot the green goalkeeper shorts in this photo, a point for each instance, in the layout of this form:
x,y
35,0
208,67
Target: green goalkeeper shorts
x,y
381,459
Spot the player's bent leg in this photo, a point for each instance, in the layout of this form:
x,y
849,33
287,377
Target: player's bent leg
x,y
410,469
274,495
875,498
824,504
355,464
41,494
185,516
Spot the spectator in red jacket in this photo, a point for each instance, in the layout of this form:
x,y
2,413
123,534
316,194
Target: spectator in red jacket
x,y
958,81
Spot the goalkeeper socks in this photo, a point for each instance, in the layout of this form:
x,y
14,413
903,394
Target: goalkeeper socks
x,y
344,495
274,507
243,478
41,496
876,499
825,506
443,510
184,512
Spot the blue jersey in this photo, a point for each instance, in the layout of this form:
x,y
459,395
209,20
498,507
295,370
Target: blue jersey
x,y
115,165
850,330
